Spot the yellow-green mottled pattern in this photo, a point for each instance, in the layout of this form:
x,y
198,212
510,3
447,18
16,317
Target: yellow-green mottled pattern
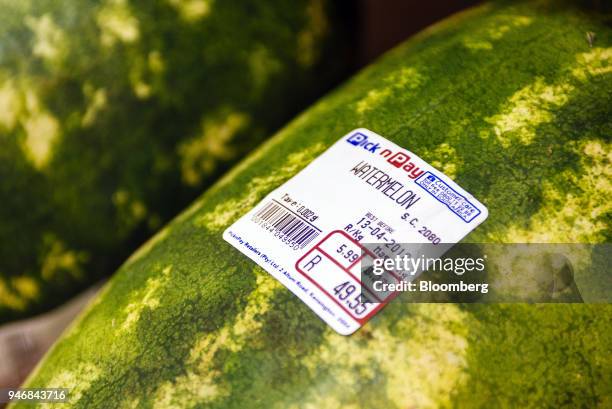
x,y
115,114
522,121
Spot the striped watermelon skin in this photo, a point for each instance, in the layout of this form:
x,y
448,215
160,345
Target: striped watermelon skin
x,y
507,99
115,114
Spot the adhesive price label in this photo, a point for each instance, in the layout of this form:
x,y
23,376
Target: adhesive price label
x,y
310,232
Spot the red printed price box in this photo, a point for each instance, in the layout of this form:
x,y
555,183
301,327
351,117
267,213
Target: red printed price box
x,y
334,265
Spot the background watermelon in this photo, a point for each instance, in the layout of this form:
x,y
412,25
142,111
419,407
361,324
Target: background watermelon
x,y
114,114
512,102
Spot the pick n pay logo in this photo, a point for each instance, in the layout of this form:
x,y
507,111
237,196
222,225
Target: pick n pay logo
x,y
400,160
360,139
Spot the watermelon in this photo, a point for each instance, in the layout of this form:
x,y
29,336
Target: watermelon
x,y
508,99
115,114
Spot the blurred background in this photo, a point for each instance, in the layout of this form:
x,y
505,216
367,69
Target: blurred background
x,y
385,23
376,26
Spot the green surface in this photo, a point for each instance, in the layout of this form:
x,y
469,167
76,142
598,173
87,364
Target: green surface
x,y
115,114
508,100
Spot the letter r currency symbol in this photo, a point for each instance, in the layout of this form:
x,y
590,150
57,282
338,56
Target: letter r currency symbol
x,y
313,262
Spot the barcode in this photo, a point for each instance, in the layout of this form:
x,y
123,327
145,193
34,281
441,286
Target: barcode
x,y
285,225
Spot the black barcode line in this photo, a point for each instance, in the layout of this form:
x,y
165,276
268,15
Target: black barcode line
x,y
285,224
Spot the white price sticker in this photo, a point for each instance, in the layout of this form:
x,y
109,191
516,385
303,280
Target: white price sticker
x,y
309,232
